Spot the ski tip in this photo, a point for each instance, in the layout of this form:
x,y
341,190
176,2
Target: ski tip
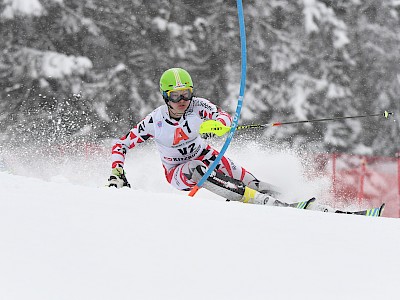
x,y
375,212
309,201
381,209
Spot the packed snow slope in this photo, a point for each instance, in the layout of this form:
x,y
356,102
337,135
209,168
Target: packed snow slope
x,y
63,235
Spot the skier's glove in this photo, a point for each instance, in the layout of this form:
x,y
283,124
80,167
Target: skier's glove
x,y
208,135
118,178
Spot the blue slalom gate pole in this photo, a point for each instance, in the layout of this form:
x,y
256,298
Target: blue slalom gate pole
x,y
239,104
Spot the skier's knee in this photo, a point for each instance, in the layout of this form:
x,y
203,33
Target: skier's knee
x,y
194,170
198,171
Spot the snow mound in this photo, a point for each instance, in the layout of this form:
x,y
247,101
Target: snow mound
x,y
63,240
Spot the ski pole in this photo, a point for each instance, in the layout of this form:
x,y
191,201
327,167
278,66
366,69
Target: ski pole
x,y
219,129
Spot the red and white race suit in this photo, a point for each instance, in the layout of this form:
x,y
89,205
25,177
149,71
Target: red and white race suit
x,y
179,143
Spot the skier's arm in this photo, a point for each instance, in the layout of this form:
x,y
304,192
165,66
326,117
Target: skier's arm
x,y
138,134
223,117
216,113
210,111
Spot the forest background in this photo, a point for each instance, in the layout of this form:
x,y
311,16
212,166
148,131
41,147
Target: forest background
x,y
88,70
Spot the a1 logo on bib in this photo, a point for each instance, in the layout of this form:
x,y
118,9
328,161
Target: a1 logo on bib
x,y
179,136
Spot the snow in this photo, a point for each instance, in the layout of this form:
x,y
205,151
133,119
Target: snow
x,y
315,12
65,236
310,12
340,38
174,28
60,66
179,34
101,110
24,8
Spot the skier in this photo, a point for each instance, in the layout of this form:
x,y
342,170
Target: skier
x,y
184,154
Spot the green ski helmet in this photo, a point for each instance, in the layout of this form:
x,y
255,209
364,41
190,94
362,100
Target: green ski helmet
x,y
175,79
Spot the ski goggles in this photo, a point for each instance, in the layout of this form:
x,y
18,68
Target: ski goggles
x,y
180,94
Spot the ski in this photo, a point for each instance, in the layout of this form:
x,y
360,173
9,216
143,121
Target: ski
x,y
303,204
372,212
299,205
